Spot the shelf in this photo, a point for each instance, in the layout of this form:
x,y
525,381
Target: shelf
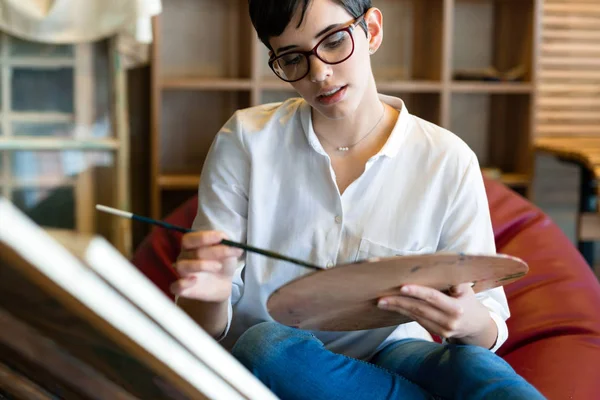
x,y
190,182
41,62
414,86
205,83
275,84
493,35
515,180
176,182
491,87
409,86
43,182
190,120
35,143
41,117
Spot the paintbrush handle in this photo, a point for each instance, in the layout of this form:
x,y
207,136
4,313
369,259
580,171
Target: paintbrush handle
x,y
226,242
161,223
268,253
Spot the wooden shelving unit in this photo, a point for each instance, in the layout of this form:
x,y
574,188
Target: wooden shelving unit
x,y
64,134
208,62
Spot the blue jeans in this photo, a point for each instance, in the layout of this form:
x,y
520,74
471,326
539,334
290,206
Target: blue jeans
x,y
295,365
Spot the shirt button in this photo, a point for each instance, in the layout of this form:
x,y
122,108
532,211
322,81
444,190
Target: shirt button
x,y
338,219
329,264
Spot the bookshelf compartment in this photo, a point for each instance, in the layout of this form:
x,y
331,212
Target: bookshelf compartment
x,y
199,82
422,105
48,207
496,127
412,41
172,199
190,121
60,188
493,40
212,39
54,89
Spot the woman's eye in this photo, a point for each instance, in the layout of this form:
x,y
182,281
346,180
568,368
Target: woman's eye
x,y
335,41
291,60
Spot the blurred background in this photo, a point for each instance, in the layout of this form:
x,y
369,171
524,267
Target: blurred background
x,y
120,106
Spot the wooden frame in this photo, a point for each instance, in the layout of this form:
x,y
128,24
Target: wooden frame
x,y
83,117
425,44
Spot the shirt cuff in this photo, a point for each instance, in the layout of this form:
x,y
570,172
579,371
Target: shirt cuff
x,y
229,315
502,331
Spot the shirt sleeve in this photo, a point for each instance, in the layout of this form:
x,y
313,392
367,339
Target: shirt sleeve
x,y
223,196
468,228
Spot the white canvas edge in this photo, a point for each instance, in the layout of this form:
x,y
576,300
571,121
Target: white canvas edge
x,y
20,233
126,278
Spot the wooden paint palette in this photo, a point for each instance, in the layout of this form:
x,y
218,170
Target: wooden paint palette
x,y
344,298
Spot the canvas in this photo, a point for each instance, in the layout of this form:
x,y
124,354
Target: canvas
x,y
105,329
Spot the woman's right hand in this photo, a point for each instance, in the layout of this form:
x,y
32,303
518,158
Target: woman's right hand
x,y
205,267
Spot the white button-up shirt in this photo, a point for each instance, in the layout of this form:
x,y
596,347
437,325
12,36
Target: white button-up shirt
x,y
267,181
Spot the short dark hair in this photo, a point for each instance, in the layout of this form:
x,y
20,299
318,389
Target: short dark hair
x,y
271,17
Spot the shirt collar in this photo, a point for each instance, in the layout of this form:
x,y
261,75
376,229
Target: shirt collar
x,y
392,145
307,125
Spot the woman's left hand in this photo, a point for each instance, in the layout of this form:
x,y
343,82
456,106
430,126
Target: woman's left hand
x,y
459,316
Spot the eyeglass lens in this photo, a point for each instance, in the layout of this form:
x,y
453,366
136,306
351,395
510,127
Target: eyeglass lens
x,y
333,49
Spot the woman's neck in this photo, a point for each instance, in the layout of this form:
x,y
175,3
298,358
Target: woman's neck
x,y
353,128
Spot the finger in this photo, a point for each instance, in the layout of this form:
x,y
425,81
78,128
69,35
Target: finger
x,y
180,285
214,252
219,252
188,267
422,312
203,286
460,290
193,240
441,301
431,326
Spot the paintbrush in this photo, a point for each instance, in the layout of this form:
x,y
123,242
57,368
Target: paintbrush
x,y
166,225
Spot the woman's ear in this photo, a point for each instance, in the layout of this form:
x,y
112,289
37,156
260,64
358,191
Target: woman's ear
x,y
374,21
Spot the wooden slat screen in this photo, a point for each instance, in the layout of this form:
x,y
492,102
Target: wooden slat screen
x,y
568,82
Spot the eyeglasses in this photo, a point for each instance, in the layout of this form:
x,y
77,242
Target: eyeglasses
x,y
335,48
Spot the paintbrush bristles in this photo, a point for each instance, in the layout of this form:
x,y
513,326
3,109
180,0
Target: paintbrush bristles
x,y
114,211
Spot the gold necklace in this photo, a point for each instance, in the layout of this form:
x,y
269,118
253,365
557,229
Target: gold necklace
x,y
346,148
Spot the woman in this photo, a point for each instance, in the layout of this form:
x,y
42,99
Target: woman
x,y
341,174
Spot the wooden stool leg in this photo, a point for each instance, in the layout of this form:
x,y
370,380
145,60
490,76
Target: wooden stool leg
x,y
587,204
